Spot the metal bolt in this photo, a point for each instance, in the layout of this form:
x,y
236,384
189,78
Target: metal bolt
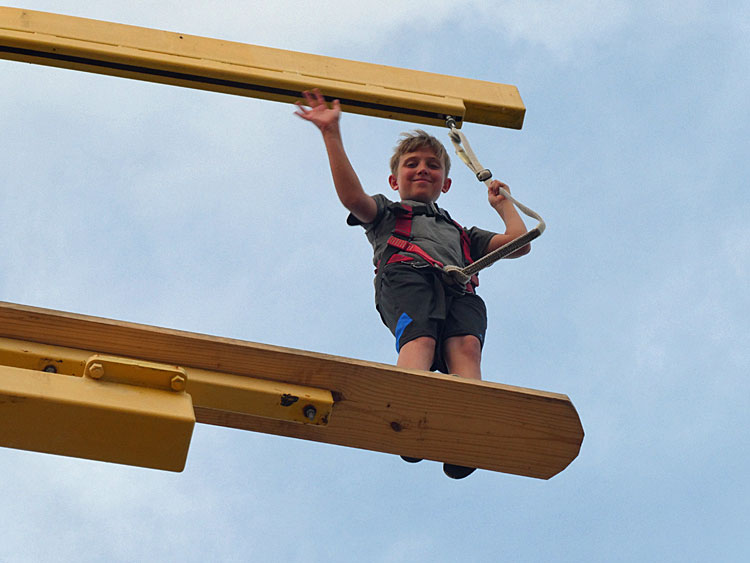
x,y
96,370
310,412
178,383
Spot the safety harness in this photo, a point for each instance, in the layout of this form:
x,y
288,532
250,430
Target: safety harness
x,y
401,240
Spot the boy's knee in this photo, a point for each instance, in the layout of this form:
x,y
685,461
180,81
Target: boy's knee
x,y
467,345
424,344
463,355
417,353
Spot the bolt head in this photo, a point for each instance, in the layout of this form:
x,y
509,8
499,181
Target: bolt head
x,y
178,383
96,370
310,412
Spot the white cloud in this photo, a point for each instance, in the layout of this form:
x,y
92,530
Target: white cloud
x,y
564,28
567,29
289,24
736,247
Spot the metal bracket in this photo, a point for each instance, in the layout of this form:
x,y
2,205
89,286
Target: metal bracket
x,y
70,402
209,389
135,372
110,408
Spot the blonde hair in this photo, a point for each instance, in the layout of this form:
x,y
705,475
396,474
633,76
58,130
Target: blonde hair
x,y
415,140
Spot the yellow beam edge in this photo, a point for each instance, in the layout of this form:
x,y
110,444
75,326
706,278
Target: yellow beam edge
x,y
77,403
81,417
249,70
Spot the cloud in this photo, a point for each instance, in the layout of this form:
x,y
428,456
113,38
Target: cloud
x,y
287,24
562,28
567,29
736,247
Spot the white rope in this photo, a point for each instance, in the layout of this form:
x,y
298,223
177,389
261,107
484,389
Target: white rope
x,y
464,152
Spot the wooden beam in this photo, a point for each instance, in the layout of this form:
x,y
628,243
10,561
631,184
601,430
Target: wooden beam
x,y
249,70
376,406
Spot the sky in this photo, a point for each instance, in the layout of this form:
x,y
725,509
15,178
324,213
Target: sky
x,y
216,214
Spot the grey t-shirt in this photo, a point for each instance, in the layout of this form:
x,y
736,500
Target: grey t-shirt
x,y
438,237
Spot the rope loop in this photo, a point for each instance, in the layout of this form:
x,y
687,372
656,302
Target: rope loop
x,y
464,152
457,275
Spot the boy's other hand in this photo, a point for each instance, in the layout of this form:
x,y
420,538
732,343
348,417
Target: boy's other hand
x,y
493,193
316,111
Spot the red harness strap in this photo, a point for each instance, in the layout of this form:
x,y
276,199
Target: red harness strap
x,y
401,239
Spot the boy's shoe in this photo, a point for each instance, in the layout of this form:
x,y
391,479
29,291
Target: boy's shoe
x,y
411,459
457,471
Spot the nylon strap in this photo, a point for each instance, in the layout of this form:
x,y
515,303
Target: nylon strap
x,y
401,239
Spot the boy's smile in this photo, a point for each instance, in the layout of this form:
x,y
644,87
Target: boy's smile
x,y
420,176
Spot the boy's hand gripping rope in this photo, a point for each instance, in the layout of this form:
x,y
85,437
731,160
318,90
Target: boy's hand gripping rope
x,y
463,275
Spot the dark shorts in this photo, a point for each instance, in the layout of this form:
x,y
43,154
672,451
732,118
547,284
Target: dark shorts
x,y
415,302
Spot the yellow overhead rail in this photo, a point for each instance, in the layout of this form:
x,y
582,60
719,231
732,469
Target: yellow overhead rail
x,y
64,377
249,70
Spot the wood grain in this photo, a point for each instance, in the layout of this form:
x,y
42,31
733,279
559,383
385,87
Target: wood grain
x,y
377,407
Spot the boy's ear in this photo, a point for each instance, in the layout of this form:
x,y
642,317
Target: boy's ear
x,y
446,186
393,183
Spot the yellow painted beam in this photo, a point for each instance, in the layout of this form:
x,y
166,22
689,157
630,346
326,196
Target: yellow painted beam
x,y
376,406
211,390
81,417
77,403
249,70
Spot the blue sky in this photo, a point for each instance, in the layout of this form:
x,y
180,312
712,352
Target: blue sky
x,y
216,214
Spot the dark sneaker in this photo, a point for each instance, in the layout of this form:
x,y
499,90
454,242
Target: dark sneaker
x,y
411,459
457,471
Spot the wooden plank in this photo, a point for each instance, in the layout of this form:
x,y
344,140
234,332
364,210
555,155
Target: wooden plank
x,y
377,407
250,70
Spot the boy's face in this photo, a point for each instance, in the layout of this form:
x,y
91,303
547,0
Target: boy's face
x,y
420,176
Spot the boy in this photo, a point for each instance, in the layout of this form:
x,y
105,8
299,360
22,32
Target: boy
x,y
438,325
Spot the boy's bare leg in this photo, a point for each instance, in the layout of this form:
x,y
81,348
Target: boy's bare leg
x,y
418,353
463,354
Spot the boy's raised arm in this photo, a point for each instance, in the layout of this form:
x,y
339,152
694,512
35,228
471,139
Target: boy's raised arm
x,y
514,225
348,188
